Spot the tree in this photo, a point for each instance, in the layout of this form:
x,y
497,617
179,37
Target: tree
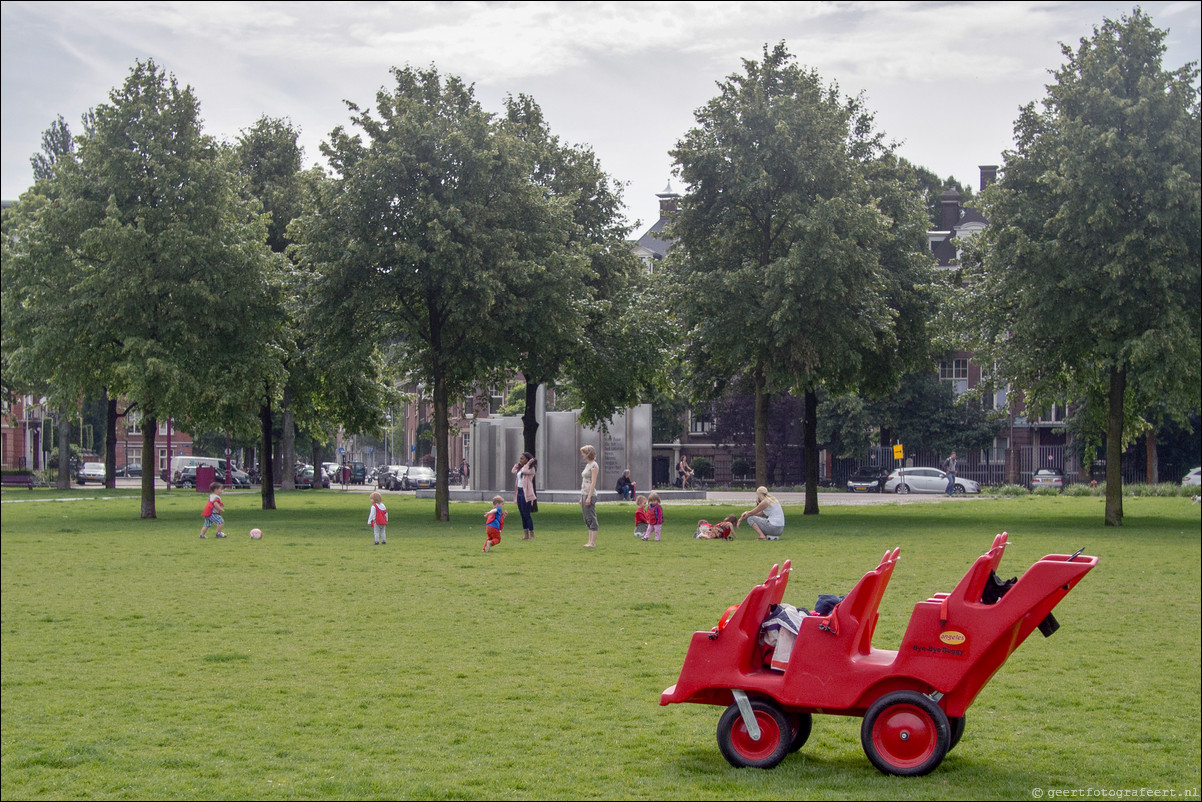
x,y
578,316
28,342
802,244
165,277
430,218
1089,284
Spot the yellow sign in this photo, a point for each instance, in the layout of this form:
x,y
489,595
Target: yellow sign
x,y
952,638
898,452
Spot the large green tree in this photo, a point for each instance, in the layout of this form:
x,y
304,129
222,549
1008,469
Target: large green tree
x,y
166,259
1090,281
802,252
431,217
577,316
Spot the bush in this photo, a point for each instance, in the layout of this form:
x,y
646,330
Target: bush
x,y
1007,490
703,467
1046,491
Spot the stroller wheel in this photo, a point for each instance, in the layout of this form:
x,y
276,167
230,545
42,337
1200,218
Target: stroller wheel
x,y
906,734
737,745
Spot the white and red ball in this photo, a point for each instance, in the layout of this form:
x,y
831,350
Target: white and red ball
x,y
256,534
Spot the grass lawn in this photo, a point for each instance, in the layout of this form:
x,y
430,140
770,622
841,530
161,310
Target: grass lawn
x,y
139,661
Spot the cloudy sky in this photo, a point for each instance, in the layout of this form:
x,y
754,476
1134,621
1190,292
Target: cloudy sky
x,y
945,79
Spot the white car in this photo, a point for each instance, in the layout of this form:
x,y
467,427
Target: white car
x,y
926,480
1193,478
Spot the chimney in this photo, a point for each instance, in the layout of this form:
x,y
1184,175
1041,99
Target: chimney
x,y
988,175
950,205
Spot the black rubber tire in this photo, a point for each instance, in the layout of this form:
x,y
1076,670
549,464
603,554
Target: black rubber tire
x,y
742,752
958,490
957,730
800,725
905,734
903,489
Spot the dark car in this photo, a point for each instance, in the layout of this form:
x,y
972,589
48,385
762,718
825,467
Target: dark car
x,y
358,473
132,471
307,480
867,480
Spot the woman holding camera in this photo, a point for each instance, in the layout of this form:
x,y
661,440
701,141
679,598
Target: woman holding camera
x,y
524,470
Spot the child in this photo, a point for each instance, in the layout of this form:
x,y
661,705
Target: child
x,y
494,522
213,510
642,518
377,520
723,530
657,515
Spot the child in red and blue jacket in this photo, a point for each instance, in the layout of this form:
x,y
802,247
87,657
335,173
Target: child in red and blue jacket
x,y
494,522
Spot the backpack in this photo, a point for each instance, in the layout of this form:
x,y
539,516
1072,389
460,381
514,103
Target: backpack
x,y
208,510
494,520
381,515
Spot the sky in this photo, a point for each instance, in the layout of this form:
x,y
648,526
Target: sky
x,y
945,79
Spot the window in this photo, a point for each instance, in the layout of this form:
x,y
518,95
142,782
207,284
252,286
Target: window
x,y
133,422
701,423
162,459
956,372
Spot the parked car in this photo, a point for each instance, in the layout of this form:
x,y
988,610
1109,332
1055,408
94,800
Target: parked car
x,y
91,472
306,479
418,477
867,480
926,480
1193,478
358,473
1047,477
132,471
330,470
389,477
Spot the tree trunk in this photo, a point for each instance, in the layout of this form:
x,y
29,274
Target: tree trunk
x,y
1153,469
110,441
288,444
810,452
150,463
529,421
266,469
64,449
1114,447
761,427
442,491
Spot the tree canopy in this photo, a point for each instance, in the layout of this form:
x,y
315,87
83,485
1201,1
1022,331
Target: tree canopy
x,y
1089,281
802,256
163,269
430,218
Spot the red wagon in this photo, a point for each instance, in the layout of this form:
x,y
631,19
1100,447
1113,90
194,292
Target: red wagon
x,y
912,700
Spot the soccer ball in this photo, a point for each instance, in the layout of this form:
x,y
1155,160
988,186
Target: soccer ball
x,y
256,534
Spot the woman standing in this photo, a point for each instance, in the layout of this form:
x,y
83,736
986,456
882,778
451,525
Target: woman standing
x,y
588,493
523,494
766,518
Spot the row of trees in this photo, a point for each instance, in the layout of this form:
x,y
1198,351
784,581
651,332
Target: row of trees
x,y
221,285
448,245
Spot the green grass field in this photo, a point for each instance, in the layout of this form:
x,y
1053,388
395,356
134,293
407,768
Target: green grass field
x,y
139,661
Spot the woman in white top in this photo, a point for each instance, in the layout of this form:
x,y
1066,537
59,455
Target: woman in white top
x,y
588,493
766,518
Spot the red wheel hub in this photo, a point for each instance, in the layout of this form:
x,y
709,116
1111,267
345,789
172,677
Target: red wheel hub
x,y
905,735
770,736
